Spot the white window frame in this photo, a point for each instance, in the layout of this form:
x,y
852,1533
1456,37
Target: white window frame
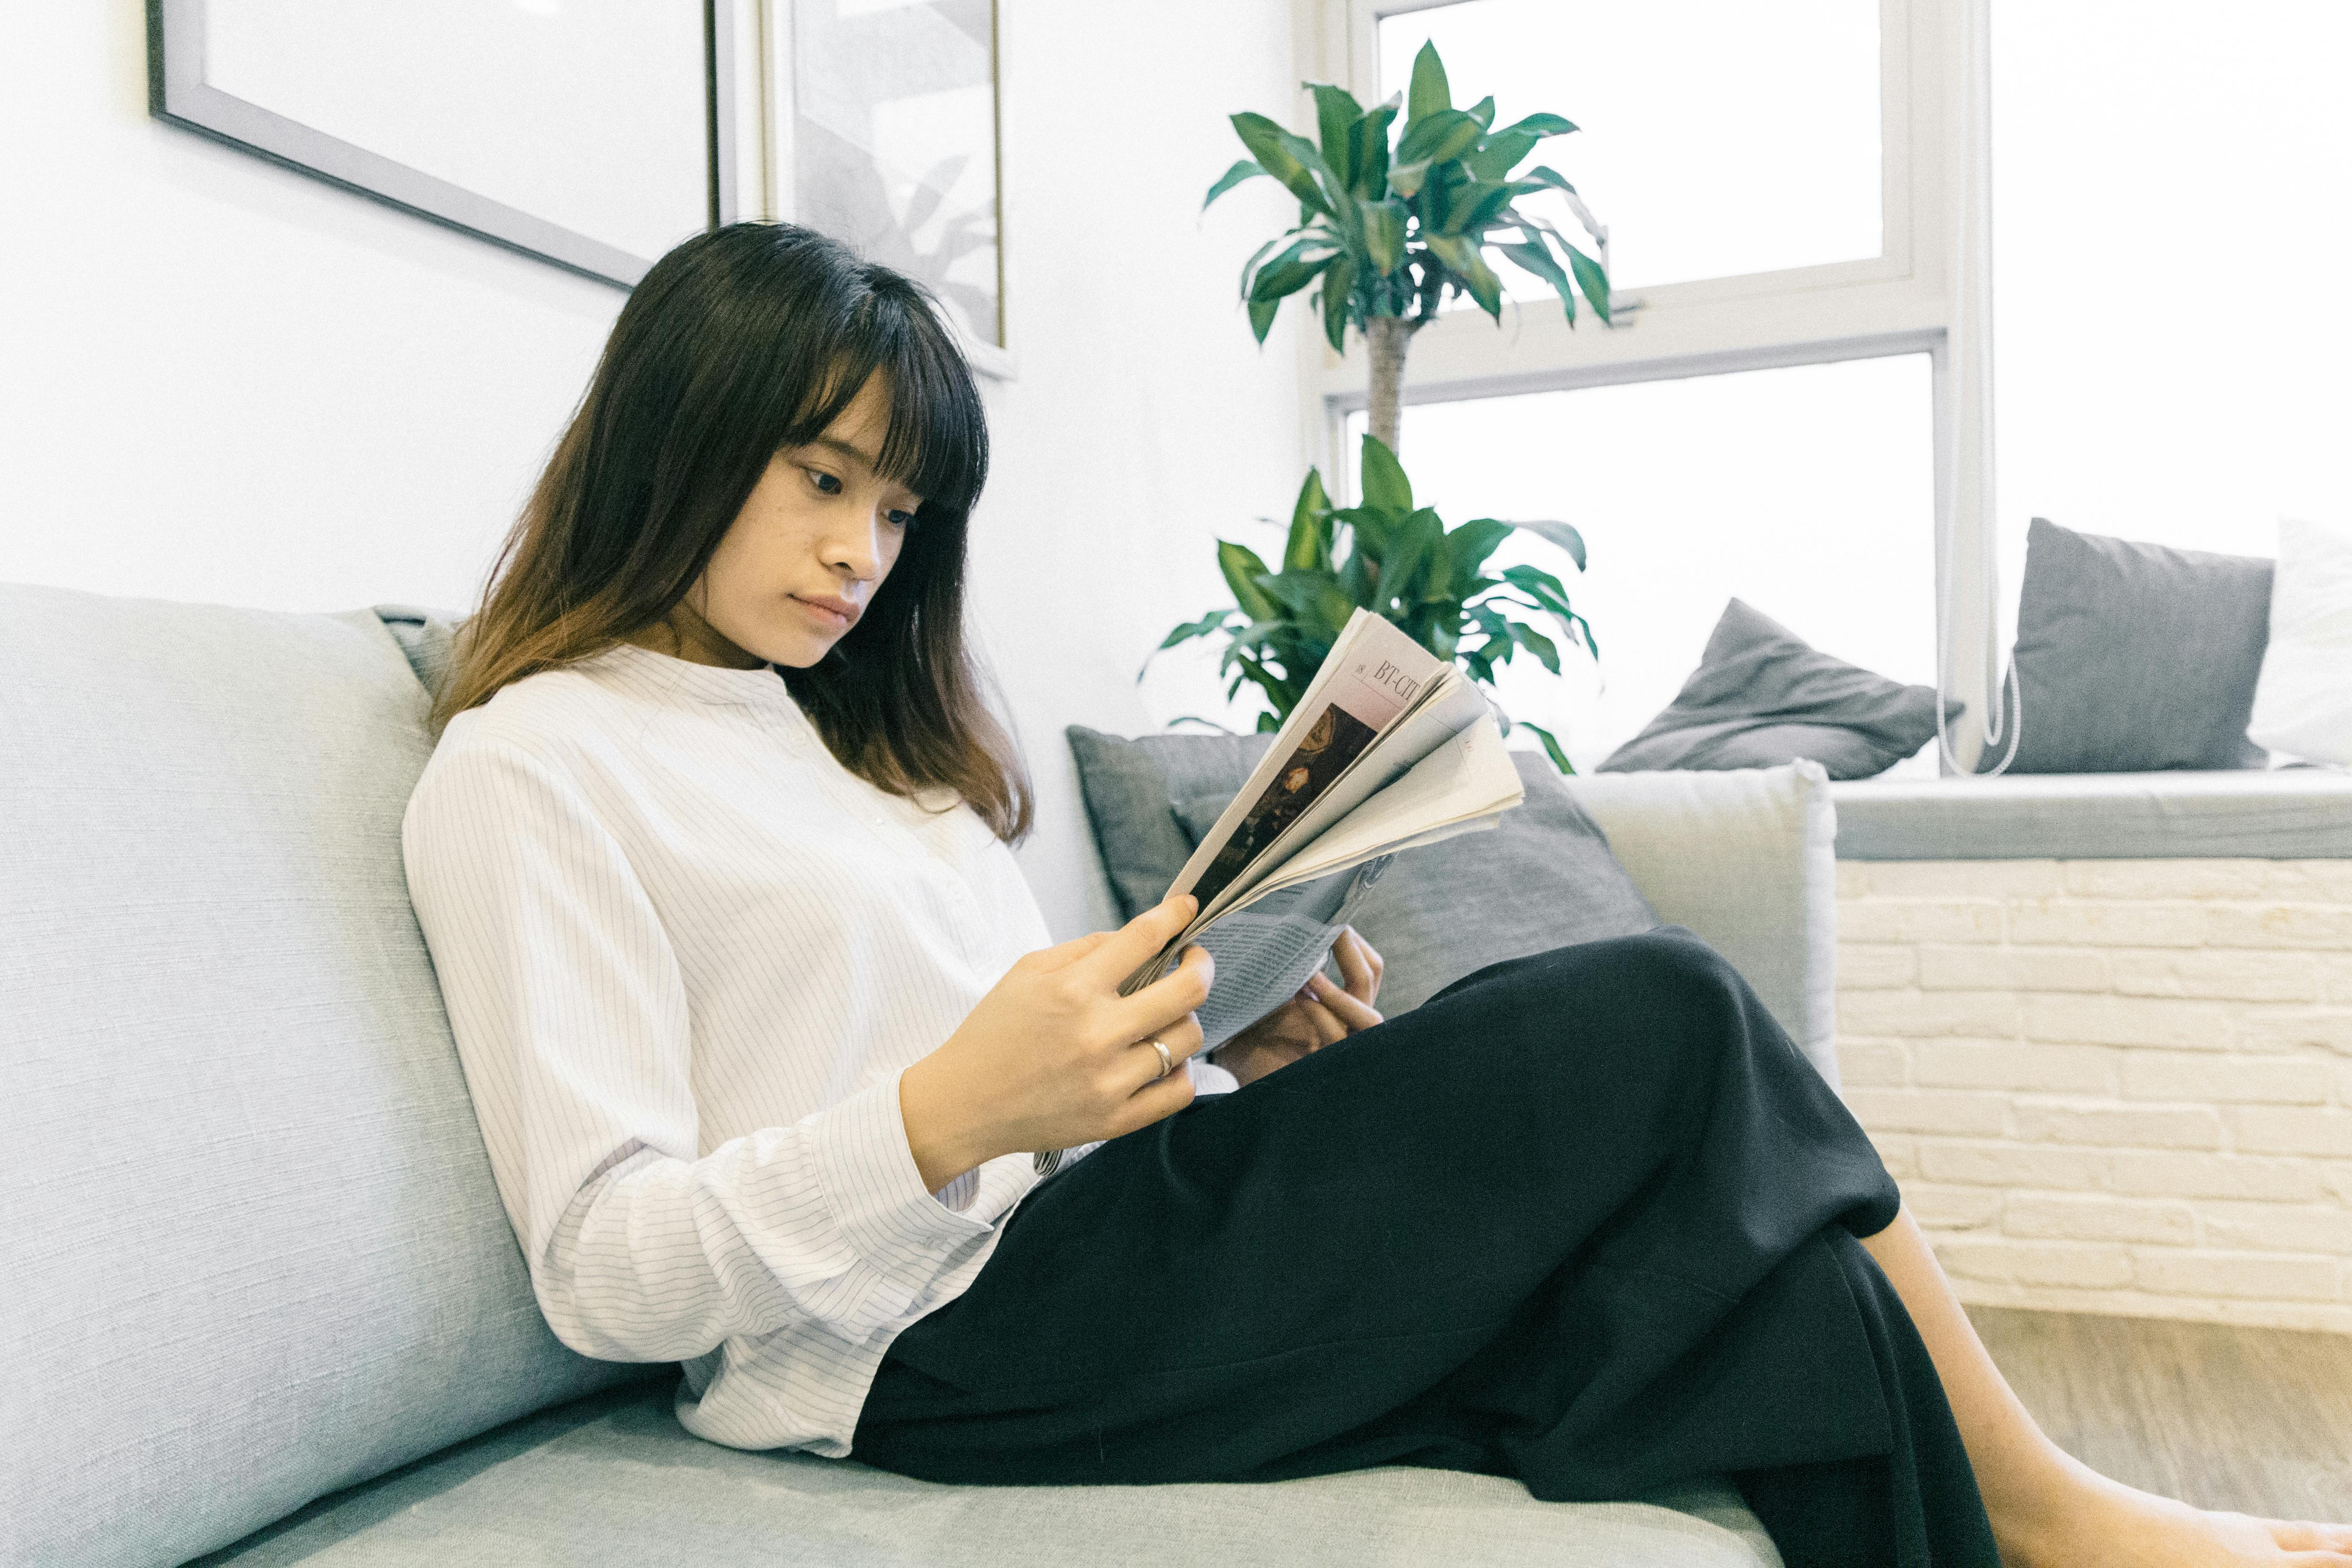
x,y
1926,292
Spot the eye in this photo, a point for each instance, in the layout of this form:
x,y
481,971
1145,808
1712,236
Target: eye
x,y
827,484
901,519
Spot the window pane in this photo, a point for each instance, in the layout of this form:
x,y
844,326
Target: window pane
x,y
1805,491
2169,232
1719,137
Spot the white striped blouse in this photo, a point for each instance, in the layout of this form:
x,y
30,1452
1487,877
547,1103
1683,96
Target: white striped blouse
x,y
687,955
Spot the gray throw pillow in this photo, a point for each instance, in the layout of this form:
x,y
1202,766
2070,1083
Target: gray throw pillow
x,y
1542,879
1762,696
2132,658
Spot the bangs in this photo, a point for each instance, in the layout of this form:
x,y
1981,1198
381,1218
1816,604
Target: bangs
x,y
937,441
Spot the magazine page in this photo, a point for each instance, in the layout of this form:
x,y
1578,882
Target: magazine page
x,y
1265,952
1452,706
1469,777
1372,675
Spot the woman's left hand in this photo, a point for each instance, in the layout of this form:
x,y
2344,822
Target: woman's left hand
x,y
1321,1014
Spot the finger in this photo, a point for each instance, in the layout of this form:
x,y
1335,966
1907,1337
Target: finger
x,y
1129,948
1355,1013
1327,1025
1141,1063
1063,955
1355,974
1161,1003
1153,1101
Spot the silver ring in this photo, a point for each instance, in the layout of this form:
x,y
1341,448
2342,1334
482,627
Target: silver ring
x,y
1167,1062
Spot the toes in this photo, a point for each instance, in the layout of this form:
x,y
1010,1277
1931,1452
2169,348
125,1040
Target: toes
x,y
2304,1535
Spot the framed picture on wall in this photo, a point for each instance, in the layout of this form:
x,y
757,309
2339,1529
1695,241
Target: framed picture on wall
x,y
594,134
886,137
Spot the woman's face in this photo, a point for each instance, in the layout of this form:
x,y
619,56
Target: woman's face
x,y
805,556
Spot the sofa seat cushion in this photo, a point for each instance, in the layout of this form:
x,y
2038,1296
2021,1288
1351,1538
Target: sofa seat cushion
x,y
616,1480
2281,813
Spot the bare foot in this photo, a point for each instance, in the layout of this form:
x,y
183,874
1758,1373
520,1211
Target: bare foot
x,y
2105,1525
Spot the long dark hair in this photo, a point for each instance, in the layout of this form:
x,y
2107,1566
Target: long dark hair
x,y
742,341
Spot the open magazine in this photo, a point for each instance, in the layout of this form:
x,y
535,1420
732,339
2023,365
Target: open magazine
x,y
1389,748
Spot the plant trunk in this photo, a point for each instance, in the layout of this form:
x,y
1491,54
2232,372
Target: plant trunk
x,y
1388,336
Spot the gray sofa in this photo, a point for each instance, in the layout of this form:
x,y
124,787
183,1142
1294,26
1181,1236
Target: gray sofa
x,y
263,1302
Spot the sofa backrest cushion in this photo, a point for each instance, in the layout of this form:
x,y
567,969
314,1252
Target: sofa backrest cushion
x,y
254,1252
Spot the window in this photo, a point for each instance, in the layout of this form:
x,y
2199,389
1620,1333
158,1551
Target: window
x,y
1786,488
1752,144
1779,414
2169,232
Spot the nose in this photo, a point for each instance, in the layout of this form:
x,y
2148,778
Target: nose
x,y
856,548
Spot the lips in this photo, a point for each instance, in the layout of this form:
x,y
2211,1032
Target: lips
x,y
831,608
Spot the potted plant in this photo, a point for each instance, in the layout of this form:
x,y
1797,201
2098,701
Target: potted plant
x,y
1397,561
1386,231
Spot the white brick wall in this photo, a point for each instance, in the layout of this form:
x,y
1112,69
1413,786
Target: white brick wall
x,y
2112,1086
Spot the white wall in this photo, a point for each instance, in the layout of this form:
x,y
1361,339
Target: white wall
x,y
221,381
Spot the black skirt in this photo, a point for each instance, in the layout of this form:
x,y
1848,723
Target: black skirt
x,y
1586,1218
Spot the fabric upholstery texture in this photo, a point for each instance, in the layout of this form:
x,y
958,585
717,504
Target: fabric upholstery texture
x,y
2302,699
2280,813
254,1252
1762,696
1541,878
2132,657
615,1482
1745,857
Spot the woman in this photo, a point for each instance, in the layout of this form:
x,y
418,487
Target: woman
x,y
763,1024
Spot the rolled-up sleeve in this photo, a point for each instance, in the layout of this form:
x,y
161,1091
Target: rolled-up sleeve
x,y
569,1015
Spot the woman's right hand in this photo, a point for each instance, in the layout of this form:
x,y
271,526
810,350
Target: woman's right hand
x,y
1053,1057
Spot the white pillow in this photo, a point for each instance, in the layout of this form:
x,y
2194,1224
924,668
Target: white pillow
x,y
2302,699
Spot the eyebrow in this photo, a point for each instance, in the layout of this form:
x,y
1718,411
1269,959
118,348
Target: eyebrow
x,y
834,444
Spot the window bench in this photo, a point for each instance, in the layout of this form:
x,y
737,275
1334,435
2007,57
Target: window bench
x,y
2101,1028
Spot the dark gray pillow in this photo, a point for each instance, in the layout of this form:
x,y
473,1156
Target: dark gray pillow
x,y
1763,696
2135,657
1541,878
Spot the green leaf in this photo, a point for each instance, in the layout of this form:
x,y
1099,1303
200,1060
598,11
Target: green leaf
x,y
1540,125
1411,550
1536,643
1247,169
1260,253
1541,586
1482,111
1276,151
1554,532
1462,258
1429,93
1261,316
1473,204
1537,257
1384,484
1309,547
1384,235
1496,155
1267,723
1406,179
1335,110
1316,601
1551,746
1442,136
1367,150
1591,279
1338,279
1288,273
1466,549
1242,568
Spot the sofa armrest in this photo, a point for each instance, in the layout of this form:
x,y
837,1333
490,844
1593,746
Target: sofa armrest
x,y
1747,859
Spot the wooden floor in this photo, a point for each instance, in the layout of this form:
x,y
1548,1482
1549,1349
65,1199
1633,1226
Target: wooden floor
x,y
2255,1419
